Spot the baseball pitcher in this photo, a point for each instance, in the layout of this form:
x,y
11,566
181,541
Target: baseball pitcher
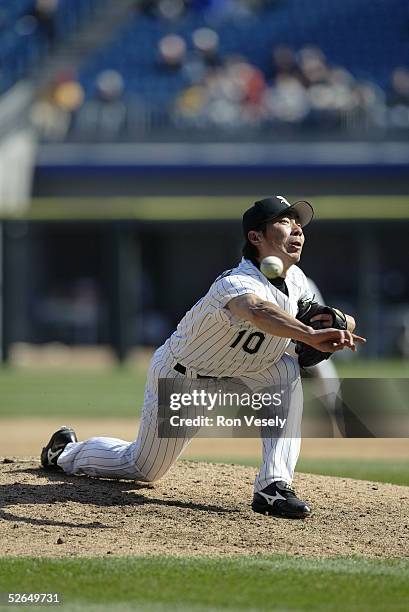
x,y
241,328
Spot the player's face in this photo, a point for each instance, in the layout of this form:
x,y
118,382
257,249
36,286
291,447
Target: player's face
x,y
284,238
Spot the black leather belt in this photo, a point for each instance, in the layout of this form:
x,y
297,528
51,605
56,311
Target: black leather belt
x,y
182,370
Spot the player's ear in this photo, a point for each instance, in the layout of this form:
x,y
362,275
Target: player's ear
x,y
254,237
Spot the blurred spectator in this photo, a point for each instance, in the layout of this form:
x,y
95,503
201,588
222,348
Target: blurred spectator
x,y
44,12
51,113
205,55
305,90
103,117
287,100
230,95
172,52
49,120
300,89
400,87
313,66
206,43
69,95
285,63
398,113
370,103
249,81
190,105
330,94
109,85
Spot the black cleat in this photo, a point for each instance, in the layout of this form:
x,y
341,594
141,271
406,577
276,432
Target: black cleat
x,y
55,447
279,499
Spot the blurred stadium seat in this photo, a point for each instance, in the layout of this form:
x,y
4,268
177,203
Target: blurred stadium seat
x,y
189,66
367,39
29,29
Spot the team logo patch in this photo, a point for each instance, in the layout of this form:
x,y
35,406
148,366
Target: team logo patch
x,y
283,200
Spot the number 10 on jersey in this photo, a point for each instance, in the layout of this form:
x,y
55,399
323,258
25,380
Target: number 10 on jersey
x,y
251,344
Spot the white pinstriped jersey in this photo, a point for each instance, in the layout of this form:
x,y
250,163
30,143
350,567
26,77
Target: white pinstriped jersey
x,y
211,341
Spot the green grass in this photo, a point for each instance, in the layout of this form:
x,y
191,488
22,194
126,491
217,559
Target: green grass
x,y
206,208
373,368
116,392
29,392
393,471
245,583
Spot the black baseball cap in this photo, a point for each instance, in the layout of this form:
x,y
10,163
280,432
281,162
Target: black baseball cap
x,y
273,207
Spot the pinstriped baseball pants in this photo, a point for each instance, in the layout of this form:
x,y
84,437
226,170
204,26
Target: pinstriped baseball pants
x,y
149,457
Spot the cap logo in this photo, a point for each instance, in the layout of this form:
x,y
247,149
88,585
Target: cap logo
x,y
283,200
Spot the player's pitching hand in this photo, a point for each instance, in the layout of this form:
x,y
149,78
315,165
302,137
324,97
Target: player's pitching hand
x,y
332,340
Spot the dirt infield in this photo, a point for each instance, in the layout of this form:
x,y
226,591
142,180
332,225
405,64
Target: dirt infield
x,y
199,508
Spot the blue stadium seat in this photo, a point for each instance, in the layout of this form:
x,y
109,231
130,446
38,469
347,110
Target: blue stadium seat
x,y
351,33
19,51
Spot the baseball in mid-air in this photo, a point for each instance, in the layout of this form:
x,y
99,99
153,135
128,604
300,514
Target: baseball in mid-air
x,y
271,266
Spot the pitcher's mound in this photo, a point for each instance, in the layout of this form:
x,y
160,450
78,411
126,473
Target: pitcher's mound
x,y
199,509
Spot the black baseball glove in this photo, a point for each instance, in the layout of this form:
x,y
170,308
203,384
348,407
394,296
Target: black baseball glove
x,y
307,309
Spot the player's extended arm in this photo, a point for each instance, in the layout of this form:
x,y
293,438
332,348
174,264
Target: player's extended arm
x,y
272,319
